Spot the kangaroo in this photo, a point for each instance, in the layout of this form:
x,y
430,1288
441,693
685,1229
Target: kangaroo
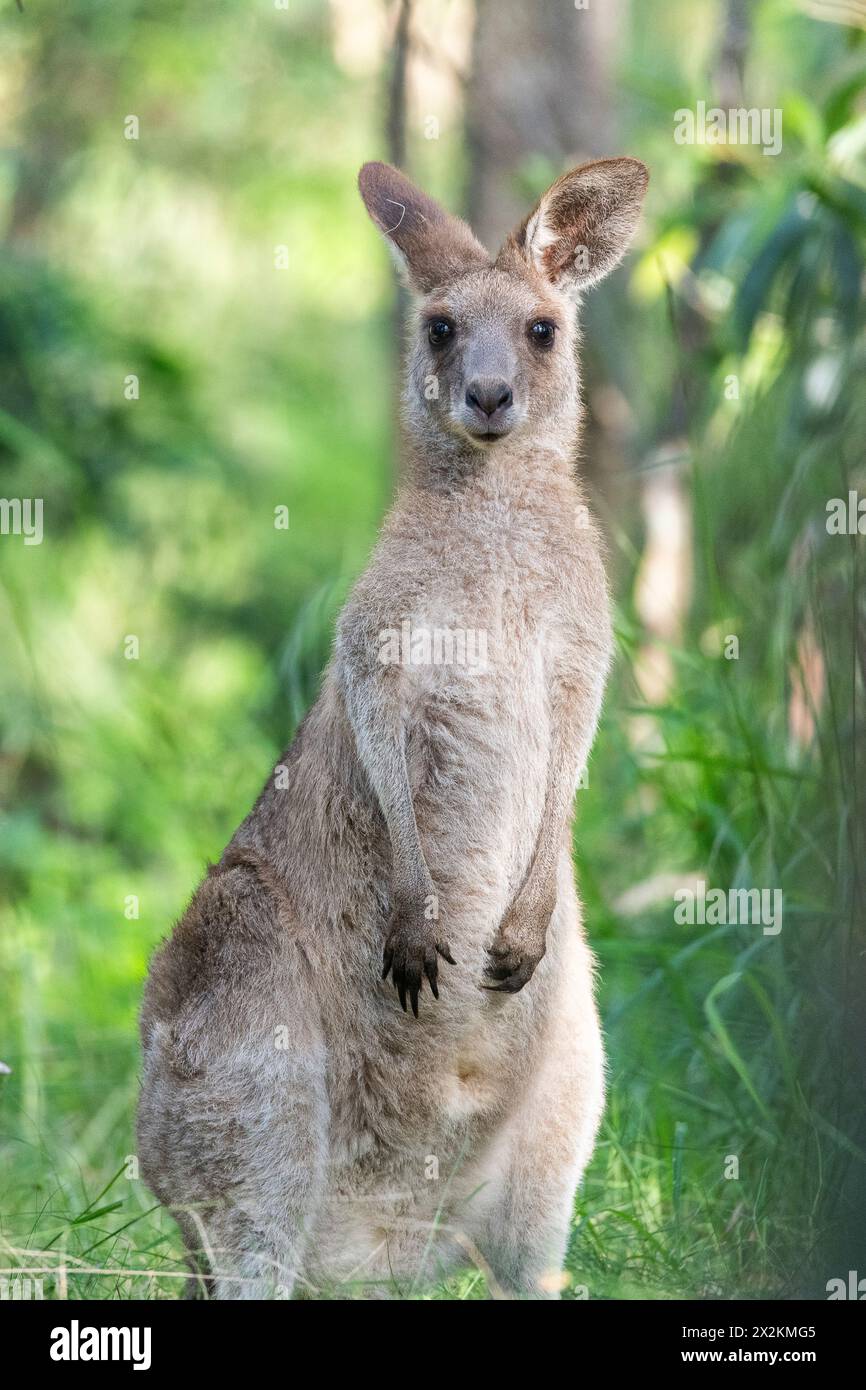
x,y
371,1049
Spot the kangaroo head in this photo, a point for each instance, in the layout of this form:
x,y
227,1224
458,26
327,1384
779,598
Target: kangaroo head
x,y
494,341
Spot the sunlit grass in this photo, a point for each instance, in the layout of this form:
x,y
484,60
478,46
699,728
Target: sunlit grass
x,y
258,388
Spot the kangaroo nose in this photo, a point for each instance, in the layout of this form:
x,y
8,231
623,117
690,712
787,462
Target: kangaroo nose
x,y
488,395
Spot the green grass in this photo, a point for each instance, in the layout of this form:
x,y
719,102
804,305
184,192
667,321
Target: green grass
x,y
723,1042
120,778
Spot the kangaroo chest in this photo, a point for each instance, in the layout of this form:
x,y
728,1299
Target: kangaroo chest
x,y
480,644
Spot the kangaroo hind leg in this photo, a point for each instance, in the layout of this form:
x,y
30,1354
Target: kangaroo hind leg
x,y
233,1119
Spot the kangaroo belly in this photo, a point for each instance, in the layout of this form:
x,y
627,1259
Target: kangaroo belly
x,y
479,749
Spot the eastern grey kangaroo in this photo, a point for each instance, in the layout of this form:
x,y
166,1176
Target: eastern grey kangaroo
x,y
412,850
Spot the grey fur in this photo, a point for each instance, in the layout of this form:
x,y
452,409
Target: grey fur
x,y
309,1133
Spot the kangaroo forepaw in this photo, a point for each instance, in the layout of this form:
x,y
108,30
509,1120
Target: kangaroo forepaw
x,y
511,967
412,953
516,951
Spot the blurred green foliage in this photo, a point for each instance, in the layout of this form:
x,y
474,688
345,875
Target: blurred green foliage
x,y
260,388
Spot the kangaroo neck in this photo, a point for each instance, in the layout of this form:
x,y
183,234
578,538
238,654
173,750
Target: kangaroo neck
x,y
450,466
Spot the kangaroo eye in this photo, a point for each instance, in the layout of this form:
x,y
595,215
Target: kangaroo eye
x,y
542,332
439,331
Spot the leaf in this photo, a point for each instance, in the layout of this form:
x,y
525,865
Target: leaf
x,y
725,1042
840,103
845,200
754,292
92,1215
848,273
803,120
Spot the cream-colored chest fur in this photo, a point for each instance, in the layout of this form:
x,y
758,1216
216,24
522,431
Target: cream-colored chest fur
x,y
478,594
497,577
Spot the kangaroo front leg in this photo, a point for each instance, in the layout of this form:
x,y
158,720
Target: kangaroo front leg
x,y
412,941
521,938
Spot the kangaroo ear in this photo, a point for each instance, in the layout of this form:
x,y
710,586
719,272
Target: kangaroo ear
x,y
582,226
431,247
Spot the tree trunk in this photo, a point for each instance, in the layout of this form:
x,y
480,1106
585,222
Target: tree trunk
x,y
539,91
539,101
